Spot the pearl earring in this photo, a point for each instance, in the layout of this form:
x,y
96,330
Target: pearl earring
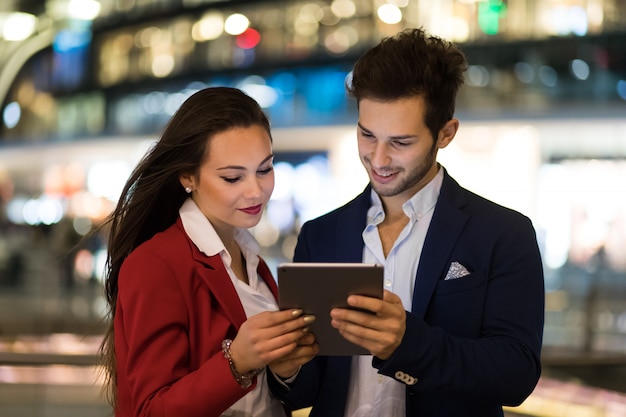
x,y
188,190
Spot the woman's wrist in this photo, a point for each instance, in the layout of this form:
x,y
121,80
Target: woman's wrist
x,y
243,379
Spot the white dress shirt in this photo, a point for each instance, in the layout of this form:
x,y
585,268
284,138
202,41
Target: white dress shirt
x,y
371,394
255,298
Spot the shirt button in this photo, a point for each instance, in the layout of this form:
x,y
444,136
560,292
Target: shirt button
x,y
380,379
387,283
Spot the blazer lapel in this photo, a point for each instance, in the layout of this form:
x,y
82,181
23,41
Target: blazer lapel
x,y
215,276
446,225
349,233
213,273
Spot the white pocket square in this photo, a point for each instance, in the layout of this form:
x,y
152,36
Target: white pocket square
x,y
456,271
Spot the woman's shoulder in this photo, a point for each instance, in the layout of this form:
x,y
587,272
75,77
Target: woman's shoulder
x,y
166,244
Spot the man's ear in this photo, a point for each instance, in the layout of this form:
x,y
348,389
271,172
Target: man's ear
x,y
447,133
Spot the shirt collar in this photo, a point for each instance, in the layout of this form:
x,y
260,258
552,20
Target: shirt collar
x,y
415,208
203,234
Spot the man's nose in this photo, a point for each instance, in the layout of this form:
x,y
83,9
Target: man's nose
x,y
379,156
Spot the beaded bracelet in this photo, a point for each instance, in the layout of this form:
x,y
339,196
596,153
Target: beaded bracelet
x,y
244,380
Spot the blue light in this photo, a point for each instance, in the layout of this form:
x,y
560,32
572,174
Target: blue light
x,y
67,40
621,89
12,114
580,69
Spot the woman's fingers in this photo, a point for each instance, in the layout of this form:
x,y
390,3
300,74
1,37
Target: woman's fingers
x,y
270,335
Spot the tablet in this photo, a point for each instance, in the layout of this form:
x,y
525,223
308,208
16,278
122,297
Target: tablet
x,y
316,288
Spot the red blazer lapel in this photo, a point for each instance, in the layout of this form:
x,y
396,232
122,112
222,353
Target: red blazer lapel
x,y
213,273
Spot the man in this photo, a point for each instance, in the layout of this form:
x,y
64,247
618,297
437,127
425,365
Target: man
x,y
459,329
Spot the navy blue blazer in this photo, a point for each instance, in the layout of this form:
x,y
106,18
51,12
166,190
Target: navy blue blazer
x,y
472,344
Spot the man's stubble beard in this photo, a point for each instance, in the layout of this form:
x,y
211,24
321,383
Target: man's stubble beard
x,y
414,177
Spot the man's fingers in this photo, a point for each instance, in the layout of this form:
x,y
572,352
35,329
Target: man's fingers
x,y
375,305
392,298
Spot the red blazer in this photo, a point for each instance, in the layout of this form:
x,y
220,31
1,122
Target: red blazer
x,y
175,305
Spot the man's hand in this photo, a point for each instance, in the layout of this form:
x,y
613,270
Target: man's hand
x,y
380,333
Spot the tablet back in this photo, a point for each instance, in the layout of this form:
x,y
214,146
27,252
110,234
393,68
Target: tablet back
x,y
316,288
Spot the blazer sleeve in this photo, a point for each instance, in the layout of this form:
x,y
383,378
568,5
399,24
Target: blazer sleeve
x,y
152,343
481,335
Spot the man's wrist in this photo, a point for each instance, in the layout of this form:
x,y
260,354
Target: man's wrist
x,y
286,382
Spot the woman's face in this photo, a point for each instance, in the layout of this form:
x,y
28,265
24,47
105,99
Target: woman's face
x,y
236,180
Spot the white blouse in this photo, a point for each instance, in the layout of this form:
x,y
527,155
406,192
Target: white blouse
x,y
255,298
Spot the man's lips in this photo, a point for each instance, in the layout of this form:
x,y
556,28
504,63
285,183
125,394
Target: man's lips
x,y
384,177
252,210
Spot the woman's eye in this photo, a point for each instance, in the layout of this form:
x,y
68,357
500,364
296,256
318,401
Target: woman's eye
x,y
231,180
266,170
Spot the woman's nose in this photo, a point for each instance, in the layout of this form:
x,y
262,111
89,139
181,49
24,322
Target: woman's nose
x,y
253,188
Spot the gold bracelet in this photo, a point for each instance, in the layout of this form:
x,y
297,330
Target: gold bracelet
x,y
244,380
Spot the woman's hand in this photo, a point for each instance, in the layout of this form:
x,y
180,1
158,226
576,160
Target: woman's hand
x,y
270,336
288,365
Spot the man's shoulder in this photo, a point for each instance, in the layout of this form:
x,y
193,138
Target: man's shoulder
x,y
479,206
490,206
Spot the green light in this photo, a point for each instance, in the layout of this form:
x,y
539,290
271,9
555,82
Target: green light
x,y
489,15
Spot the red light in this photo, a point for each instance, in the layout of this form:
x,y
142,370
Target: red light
x,y
248,39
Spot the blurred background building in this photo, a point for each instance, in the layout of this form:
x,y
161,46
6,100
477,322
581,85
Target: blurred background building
x,y
86,87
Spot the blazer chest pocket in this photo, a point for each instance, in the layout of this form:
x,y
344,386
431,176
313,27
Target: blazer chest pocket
x,y
457,305
465,283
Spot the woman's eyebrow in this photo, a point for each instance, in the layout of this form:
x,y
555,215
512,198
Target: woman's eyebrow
x,y
269,157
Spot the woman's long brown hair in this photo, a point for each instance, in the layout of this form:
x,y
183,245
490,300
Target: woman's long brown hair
x,y
152,196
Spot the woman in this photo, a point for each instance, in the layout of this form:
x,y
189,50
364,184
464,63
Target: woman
x,y
194,310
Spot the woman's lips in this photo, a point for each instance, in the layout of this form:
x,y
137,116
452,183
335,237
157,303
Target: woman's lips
x,y
252,210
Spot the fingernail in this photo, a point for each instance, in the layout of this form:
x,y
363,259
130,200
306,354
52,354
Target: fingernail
x,y
309,319
305,330
296,313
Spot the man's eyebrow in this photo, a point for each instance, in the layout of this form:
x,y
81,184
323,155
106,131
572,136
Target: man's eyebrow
x,y
363,127
269,157
407,136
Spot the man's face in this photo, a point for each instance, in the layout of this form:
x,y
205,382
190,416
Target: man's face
x,y
395,147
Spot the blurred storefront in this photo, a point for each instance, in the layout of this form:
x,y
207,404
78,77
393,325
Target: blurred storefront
x,y
122,67
86,93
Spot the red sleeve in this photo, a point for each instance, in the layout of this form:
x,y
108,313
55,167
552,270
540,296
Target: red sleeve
x,y
152,325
